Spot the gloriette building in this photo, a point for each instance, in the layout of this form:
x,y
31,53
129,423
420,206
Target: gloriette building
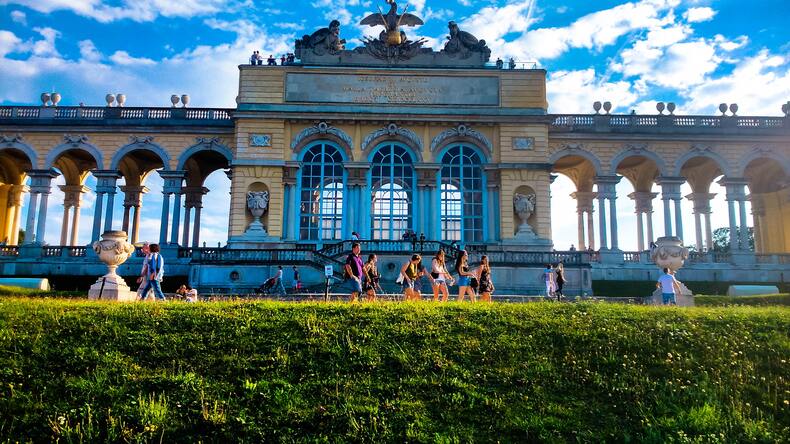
x,y
389,138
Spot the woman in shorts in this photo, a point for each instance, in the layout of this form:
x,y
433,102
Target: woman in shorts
x,y
372,277
410,272
486,286
441,278
464,277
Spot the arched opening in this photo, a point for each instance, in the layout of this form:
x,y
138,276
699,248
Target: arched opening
x,y
140,205
321,185
391,184
14,164
640,187
574,187
461,186
703,196
768,203
206,181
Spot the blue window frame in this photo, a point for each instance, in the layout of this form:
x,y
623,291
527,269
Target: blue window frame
x,y
461,195
321,193
391,184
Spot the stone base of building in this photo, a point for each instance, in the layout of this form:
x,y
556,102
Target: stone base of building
x,y
111,288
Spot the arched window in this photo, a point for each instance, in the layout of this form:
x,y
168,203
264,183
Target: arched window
x,y
321,197
392,182
461,195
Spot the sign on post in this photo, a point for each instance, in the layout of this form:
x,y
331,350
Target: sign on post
x,y
328,271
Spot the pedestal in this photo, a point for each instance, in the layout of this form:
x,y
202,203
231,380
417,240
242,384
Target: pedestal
x,y
527,238
684,299
111,288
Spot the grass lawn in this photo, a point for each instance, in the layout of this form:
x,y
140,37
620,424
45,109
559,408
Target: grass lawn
x,y
392,372
761,300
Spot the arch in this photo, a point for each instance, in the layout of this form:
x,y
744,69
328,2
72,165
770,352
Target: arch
x,y
577,150
16,143
321,190
462,134
145,144
321,132
390,133
699,151
413,156
82,145
391,184
638,151
763,152
462,197
202,144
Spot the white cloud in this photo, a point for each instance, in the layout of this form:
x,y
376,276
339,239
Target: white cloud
x,y
9,42
19,17
575,92
123,58
701,14
88,51
136,10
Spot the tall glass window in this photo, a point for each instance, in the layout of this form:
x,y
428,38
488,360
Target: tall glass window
x,y
462,195
392,182
321,197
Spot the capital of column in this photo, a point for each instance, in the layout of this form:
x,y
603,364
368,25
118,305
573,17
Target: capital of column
x,y
357,173
194,196
133,195
106,180
428,172
493,176
670,187
173,180
643,201
290,170
40,180
73,195
701,202
735,188
758,204
606,186
584,200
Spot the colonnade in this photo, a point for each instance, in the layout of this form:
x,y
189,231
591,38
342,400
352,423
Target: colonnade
x,y
673,216
106,190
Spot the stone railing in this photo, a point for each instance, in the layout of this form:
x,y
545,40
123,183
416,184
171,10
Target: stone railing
x,y
9,251
232,256
94,114
661,123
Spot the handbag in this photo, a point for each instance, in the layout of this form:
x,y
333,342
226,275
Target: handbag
x,y
400,279
473,283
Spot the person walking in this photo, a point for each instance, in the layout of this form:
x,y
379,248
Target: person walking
x,y
560,280
297,283
372,278
278,284
354,271
464,277
155,271
143,279
485,284
410,272
669,287
548,278
441,278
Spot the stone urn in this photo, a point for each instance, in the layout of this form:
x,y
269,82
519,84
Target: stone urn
x,y
669,252
257,203
185,99
55,99
121,99
524,206
113,250
45,97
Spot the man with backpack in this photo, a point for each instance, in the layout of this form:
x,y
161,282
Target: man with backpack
x,y
155,267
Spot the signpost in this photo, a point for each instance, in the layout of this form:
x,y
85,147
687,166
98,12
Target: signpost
x,y
328,273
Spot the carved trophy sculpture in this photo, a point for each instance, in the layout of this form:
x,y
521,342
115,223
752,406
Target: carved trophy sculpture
x,y
324,41
257,203
462,44
669,252
113,250
392,43
524,206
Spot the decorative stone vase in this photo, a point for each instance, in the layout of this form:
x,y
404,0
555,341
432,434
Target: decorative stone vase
x,y
121,98
113,250
669,252
45,99
55,99
185,100
257,203
524,206
109,98
174,100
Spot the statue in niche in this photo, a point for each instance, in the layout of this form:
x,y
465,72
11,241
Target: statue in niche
x,y
524,206
323,41
463,44
257,203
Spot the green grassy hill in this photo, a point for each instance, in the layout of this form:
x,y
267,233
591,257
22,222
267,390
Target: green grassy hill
x,y
252,372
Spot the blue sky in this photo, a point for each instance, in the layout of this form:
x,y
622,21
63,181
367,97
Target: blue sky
x,y
697,53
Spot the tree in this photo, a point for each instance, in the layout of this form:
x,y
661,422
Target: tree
x,y
721,239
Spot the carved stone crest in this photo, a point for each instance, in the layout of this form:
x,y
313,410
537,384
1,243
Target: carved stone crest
x,y
461,131
16,138
260,140
207,140
75,140
141,140
321,128
393,130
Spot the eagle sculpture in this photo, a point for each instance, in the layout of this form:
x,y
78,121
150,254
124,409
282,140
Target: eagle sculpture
x,y
392,21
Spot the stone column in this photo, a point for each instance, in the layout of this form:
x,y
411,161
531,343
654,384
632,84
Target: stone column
x,y
701,207
18,200
735,193
708,233
290,172
584,204
426,182
172,186
602,220
132,201
643,205
40,181
744,228
354,211
493,185
758,213
97,212
30,225
193,200
72,200
606,190
106,185
670,190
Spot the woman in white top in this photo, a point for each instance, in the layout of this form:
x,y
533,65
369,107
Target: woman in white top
x,y
441,278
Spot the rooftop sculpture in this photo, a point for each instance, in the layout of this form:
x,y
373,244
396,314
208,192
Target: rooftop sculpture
x,y
392,47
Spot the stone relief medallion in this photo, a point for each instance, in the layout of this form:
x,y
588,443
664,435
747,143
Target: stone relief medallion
x,y
523,143
260,140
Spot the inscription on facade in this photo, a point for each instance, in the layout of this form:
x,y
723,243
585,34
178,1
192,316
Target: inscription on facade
x,y
523,143
391,89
